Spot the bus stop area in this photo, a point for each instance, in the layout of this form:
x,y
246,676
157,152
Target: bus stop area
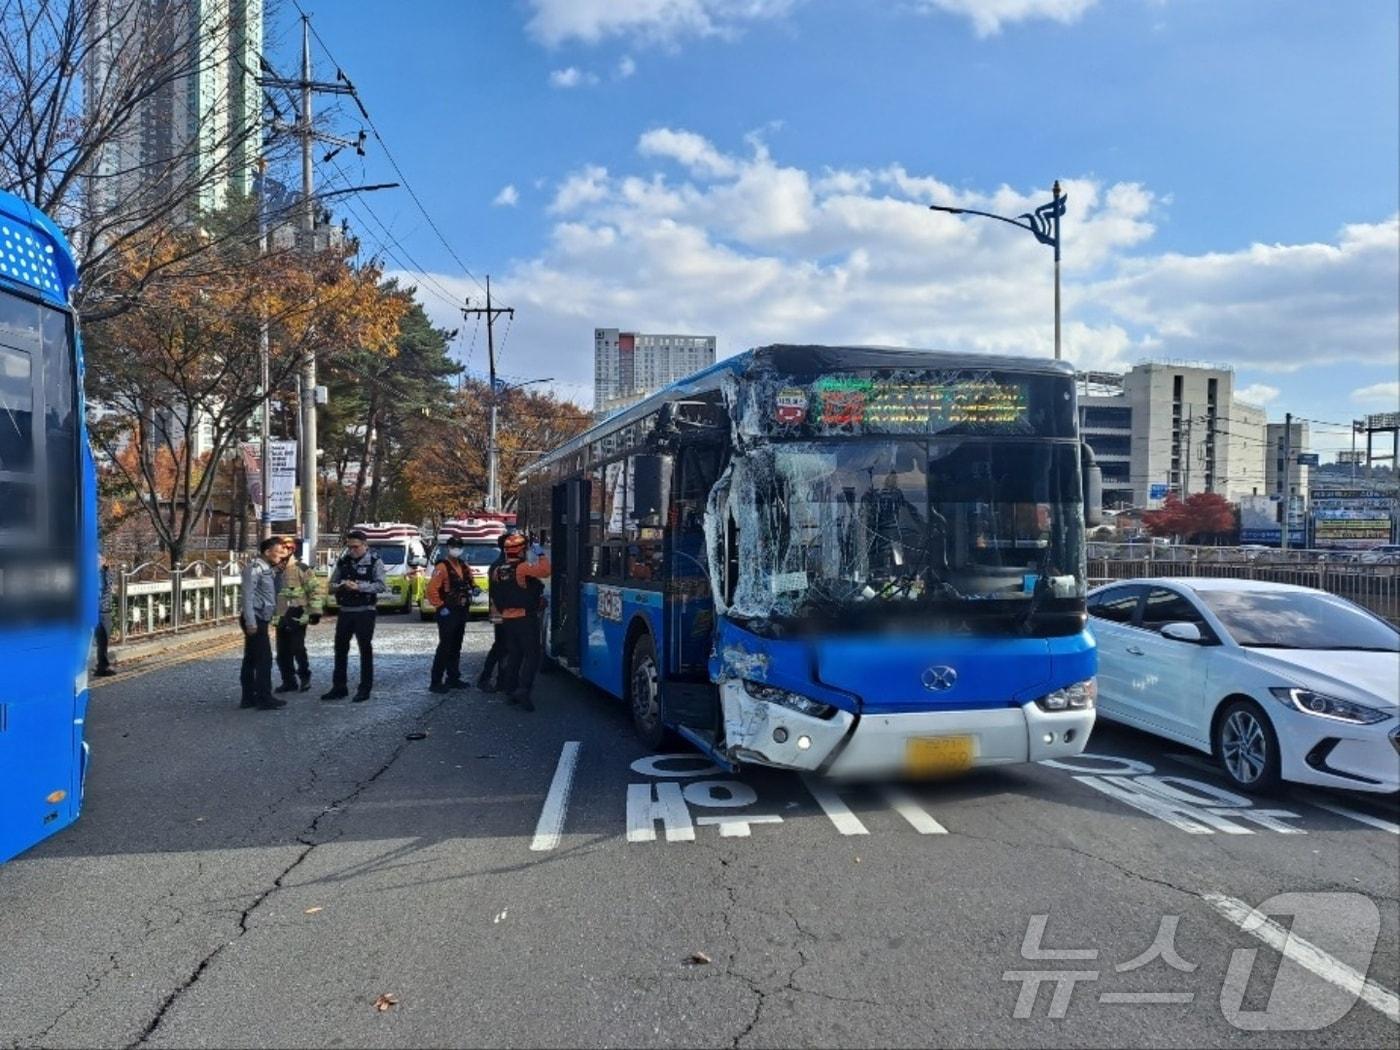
x,y
445,869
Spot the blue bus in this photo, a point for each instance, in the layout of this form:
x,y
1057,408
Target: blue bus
x,y
48,533
852,561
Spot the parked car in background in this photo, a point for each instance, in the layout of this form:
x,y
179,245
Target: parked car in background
x,y
1277,682
1386,554
400,548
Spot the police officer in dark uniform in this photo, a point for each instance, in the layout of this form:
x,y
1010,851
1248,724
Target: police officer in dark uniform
x,y
516,590
358,581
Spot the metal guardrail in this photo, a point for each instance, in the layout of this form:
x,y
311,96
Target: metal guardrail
x,y
151,599
1374,586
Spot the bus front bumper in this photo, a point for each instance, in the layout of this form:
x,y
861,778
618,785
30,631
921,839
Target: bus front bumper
x,y
880,745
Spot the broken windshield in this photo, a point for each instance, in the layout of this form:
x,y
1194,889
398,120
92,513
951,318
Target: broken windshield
x,y
882,525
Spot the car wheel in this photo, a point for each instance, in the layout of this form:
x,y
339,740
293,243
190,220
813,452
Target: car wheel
x,y
1247,747
644,693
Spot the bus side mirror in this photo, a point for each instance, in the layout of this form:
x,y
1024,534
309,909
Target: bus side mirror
x,y
1093,487
651,487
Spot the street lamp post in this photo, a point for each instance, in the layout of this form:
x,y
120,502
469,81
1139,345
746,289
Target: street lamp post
x,y
1044,224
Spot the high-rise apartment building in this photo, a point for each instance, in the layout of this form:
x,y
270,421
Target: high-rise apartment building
x,y
1165,428
1297,474
627,366
199,130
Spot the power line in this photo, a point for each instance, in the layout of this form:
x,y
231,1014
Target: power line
x,y
354,94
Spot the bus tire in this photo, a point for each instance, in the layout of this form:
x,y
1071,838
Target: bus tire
x,y
644,692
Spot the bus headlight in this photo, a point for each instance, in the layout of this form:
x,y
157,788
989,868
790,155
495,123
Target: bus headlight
x,y
794,701
1077,697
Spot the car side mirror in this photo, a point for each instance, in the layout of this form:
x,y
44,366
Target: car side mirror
x,y
1183,632
1093,486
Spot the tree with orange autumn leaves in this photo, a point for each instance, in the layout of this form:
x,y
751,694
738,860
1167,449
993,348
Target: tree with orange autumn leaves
x,y
446,476
185,353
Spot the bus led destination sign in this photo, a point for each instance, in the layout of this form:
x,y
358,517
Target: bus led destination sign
x,y
889,406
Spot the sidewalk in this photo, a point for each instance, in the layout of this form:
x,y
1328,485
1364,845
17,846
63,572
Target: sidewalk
x,y
148,653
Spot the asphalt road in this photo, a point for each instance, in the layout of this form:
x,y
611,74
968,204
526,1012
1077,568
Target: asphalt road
x,y
242,878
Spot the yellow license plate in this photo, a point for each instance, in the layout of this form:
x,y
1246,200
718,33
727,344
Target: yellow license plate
x,y
936,756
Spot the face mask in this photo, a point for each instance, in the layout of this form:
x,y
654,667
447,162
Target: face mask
x,y
454,552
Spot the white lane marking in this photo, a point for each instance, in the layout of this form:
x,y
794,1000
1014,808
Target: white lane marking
x,y
911,811
1306,954
736,826
847,823
550,828
1352,814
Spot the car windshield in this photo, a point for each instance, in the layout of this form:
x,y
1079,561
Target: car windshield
x,y
912,523
1299,620
390,553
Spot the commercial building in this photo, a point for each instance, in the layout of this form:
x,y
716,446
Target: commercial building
x,y
1166,428
198,131
627,366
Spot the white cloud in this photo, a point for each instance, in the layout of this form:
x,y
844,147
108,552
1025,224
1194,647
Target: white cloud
x,y
625,67
690,236
989,16
1384,394
554,22
509,196
1258,393
582,187
572,77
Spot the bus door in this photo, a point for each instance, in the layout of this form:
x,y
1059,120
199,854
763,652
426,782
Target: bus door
x,y
691,700
568,533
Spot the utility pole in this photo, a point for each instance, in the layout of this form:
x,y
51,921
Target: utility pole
x,y
304,129
264,355
493,449
1287,474
1056,212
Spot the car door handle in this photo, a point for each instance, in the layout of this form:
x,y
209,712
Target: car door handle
x,y
1134,650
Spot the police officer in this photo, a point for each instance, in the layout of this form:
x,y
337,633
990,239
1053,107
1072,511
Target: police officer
x,y
259,607
299,603
450,594
516,592
358,581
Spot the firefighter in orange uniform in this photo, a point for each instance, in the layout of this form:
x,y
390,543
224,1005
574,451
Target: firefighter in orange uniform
x,y
516,595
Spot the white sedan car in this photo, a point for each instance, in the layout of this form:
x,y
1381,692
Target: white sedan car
x,y
1278,682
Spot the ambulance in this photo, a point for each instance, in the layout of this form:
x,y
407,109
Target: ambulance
x,y
480,537
400,548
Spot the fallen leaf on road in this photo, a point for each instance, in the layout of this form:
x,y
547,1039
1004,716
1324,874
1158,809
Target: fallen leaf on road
x,y
386,1002
699,959
312,911
857,860
415,736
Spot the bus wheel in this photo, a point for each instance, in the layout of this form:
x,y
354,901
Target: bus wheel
x,y
645,693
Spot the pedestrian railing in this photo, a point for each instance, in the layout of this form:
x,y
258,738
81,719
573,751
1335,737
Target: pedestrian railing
x,y
1376,587
152,599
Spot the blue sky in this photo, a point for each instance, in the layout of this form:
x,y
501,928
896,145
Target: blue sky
x,y
758,169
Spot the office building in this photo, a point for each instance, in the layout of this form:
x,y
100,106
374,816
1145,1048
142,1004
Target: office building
x,y
1166,428
199,131
627,366
1297,474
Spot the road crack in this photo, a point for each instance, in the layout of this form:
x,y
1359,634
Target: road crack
x,y
308,841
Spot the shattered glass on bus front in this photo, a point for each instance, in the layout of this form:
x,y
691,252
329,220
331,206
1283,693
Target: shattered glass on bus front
x,y
863,517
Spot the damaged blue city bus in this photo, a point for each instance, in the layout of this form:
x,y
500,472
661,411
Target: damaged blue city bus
x,y
48,533
849,560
